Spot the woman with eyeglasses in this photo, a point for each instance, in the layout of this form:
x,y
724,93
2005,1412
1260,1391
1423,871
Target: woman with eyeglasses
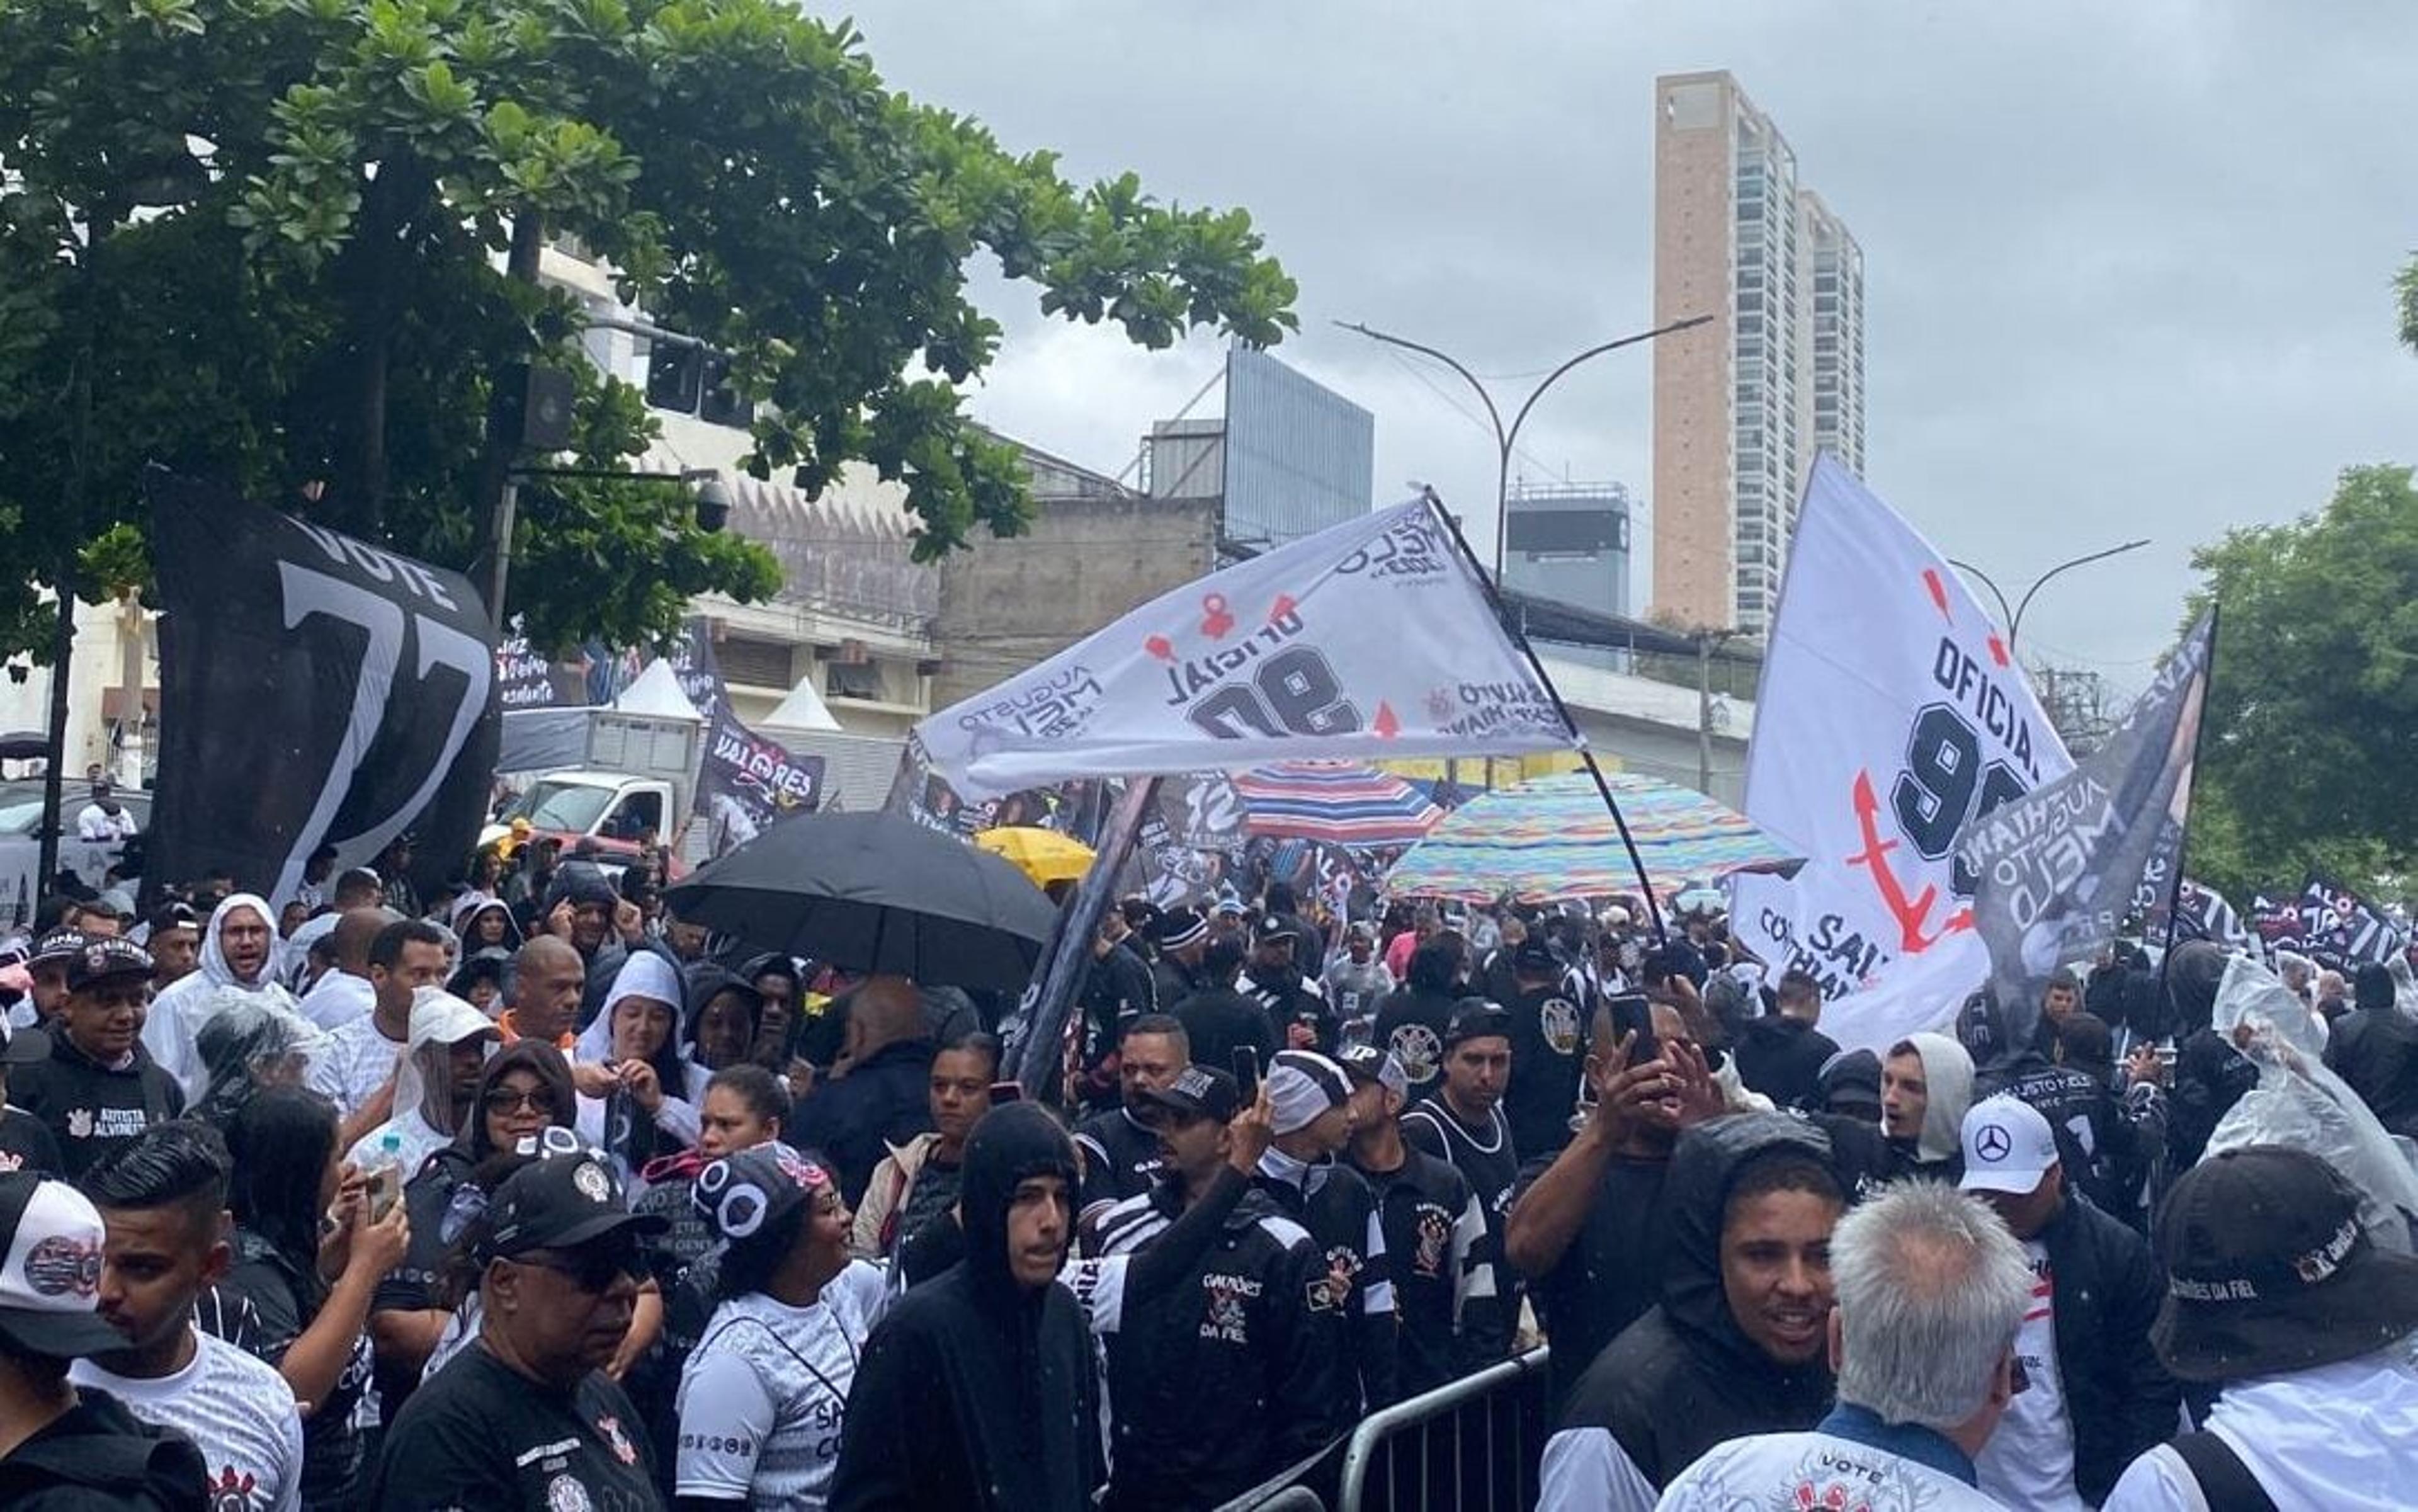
x,y
522,1091
297,1294
762,1398
527,1415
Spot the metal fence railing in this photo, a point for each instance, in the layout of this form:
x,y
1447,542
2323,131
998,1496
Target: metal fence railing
x,y
1470,1446
1470,1443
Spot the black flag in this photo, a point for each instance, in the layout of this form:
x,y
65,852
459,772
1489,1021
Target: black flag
x,y
2058,868
314,689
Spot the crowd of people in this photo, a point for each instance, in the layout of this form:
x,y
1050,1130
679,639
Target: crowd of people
x,y
535,1195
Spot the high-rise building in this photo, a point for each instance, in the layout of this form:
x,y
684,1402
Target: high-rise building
x,y
1569,543
1740,410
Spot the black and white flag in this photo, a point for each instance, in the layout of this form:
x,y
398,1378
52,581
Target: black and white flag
x,y
314,689
2058,869
2340,931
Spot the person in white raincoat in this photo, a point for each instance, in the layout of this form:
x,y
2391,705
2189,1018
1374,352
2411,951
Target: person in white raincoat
x,y
239,951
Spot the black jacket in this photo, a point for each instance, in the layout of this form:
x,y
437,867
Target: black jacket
x,y
1683,1377
2108,1285
1333,1201
1782,1057
1206,1378
2375,1051
1216,1019
883,1101
1288,1002
974,1391
90,1110
99,1457
1448,1290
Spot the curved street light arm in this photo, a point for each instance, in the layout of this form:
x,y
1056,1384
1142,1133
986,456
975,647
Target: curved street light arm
x,y
2016,624
1556,376
1501,438
2005,613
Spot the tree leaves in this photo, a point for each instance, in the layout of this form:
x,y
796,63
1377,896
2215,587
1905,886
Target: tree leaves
x,y
2313,712
319,298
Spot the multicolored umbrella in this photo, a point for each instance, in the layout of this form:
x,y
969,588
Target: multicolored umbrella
x,y
1343,804
1551,839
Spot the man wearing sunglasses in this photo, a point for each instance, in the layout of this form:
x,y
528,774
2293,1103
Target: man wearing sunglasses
x,y
527,1417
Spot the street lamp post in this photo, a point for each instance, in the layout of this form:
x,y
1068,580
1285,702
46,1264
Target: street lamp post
x,y
2013,619
1504,440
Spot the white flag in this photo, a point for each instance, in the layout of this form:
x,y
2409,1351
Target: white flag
x,y
1369,640
1891,715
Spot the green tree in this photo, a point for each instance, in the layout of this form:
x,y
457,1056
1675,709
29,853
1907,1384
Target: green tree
x,y
288,244
2313,715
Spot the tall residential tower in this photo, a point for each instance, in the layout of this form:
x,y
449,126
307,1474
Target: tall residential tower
x,y
1739,413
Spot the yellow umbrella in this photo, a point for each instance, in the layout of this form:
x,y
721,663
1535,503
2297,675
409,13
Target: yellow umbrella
x,y
1043,855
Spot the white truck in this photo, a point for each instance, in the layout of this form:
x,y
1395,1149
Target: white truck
x,y
609,773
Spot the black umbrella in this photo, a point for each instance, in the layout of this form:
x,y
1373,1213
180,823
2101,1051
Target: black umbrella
x,y
874,893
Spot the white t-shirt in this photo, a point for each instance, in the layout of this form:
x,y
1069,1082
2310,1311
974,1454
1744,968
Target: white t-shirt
x,y
2028,1461
1815,1470
354,1064
416,1140
338,999
98,826
238,1411
762,1398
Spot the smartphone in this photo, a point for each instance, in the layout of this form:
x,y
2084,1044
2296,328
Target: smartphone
x,y
1632,1015
1004,1092
1246,1071
383,1190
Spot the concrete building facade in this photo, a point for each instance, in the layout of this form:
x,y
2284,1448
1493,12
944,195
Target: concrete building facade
x,y
1569,543
1738,419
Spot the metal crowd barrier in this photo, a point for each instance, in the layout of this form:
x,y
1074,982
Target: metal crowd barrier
x,y
1469,1444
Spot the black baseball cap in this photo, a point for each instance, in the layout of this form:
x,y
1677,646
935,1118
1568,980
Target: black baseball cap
x,y
561,1202
104,958
1477,1018
57,945
1274,927
1197,1092
1534,955
2268,1269
1374,1064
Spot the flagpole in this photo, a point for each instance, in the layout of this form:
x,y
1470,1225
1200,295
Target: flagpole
x,y
1050,1015
2191,780
1578,741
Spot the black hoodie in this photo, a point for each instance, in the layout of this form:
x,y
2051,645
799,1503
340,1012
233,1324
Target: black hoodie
x,y
1684,1377
974,1391
99,1457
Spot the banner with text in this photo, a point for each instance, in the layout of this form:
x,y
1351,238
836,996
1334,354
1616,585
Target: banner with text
x,y
314,689
1367,640
2341,931
2055,870
1891,715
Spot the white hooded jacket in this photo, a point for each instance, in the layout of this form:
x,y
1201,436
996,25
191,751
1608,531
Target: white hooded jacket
x,y
2342,1435
177,1013
1948,1072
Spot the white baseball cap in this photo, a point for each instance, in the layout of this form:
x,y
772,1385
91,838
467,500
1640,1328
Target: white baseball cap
x,y
2008,1146
50,1277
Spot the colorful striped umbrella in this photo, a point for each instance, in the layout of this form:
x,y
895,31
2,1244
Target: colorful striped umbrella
x,y
1551,839
1344,804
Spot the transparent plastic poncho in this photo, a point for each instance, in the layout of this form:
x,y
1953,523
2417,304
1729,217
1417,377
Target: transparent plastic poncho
x,y
2300,1103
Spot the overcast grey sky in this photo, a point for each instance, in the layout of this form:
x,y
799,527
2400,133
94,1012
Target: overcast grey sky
x,y
2127,266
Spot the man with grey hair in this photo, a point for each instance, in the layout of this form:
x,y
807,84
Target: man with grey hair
x,y
1931,1289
